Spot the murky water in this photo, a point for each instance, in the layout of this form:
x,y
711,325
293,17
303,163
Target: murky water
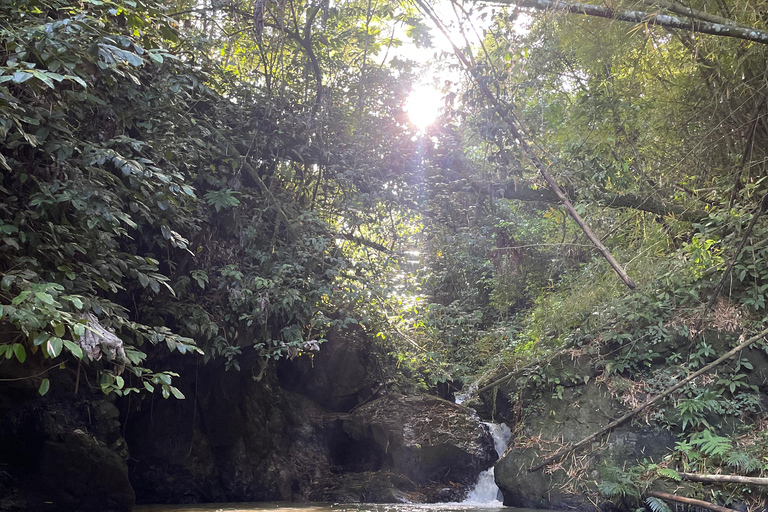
x,y
326,507
482,498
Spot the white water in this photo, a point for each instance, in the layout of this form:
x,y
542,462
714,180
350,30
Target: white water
x,y
485,491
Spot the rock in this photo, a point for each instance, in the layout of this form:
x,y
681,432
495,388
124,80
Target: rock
x,y
83,475
234,438
365,487
339,377
55,451
422,437
581,411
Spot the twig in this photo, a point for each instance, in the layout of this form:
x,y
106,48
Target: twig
x,y
31,376
568,449
689,501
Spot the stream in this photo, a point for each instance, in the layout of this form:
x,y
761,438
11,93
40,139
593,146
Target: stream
x,y
484,496
485,492
326,507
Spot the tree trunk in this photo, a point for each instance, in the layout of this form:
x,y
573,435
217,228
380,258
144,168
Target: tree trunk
x,y
521,191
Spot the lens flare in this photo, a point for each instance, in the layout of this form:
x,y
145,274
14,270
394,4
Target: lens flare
x,y
423,106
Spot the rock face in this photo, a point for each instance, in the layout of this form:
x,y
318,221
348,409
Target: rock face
x,y
579,401
288,435
308,429
581,411
341,375
233,439
422,437
61,452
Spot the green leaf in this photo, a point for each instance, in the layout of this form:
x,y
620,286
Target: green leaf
x,y
20,77
149,387
59,329
21,297
54,346
74,348
41,338
44,297
20,351
44,387
176,393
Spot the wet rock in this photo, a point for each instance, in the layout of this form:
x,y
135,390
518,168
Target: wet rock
x,y
234,438
84,475
365,487
422,437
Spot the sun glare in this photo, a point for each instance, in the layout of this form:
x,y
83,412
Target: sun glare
x,y
423,105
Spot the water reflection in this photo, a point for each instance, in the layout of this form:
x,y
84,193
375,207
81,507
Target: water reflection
x,y
326,507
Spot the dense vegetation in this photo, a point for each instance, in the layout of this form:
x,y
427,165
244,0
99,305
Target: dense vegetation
x,y
236,178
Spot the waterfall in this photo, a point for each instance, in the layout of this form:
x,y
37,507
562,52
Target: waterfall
x,y
485,490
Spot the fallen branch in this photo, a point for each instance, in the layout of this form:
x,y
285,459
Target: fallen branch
x,y
568,449
663,20
689,501
522,191
725,479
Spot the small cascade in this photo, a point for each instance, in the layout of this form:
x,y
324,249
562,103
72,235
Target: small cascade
x,y
485,490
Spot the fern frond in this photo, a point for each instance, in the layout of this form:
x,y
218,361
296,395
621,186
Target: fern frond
x,y
609,489
743,462
711,444
669,473
657,505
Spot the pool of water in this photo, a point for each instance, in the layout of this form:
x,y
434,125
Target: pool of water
x,y
327,507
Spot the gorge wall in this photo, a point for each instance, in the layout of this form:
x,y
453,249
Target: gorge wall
x,y
326,428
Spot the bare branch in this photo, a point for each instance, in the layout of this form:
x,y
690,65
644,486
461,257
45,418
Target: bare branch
x,y
662,20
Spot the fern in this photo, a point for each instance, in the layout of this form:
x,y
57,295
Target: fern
x,y
693,410
657,505
617,483
609,489
743,462
711,444
669,473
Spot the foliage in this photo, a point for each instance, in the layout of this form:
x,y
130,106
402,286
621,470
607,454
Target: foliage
x,y
179,202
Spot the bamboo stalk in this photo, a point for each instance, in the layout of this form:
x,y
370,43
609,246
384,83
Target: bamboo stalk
x,y
568,449
690,501
738,479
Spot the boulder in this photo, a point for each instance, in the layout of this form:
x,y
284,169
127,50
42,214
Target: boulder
x,y
341,375
425,438
82,474
234,438
580,411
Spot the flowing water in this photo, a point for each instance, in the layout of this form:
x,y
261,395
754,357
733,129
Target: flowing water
x,y
486,492
326,507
